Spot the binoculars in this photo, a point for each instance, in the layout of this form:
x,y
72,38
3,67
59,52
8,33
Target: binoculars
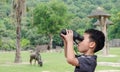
x,y
76,36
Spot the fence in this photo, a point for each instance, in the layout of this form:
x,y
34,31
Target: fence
x,y
114,43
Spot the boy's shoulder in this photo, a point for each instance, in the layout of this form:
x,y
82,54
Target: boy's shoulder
x,y
87,63
86,56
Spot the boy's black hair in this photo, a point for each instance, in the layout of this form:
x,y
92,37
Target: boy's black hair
x,y
98,37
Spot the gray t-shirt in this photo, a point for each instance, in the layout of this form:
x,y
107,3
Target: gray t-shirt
x,y
87,63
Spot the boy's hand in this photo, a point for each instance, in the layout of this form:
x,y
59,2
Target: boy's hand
x,y
68,37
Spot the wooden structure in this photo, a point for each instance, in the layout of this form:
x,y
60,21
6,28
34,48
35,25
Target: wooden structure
x,y
108,22
102,17
97,23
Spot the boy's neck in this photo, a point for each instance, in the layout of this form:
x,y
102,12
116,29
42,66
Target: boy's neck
x,y
89,52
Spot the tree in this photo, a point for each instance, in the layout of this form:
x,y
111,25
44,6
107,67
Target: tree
x,y
18,7
50,18
115,28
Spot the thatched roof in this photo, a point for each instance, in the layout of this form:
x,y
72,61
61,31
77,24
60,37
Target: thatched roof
x,y
98,12
108,22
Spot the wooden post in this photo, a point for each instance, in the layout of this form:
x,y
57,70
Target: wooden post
x,y
104,30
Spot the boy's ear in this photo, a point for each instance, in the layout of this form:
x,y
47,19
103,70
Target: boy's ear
x,y
92,44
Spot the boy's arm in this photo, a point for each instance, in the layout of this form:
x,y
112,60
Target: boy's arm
x,y
71,59
65,45
65,48
68,48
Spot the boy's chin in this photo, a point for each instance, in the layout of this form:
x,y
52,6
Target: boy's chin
x,y
82,51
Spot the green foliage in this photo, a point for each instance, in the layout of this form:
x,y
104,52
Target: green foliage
x,y
7,44
0,42
115,28
24,42
50,17
57,41
35,38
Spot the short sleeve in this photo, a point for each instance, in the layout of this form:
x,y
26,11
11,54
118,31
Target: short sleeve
x,y
86,64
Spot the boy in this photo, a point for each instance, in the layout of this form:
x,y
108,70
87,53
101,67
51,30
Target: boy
x,y
93,42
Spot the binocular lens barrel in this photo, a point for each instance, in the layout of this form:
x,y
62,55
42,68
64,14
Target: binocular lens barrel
x,y
76,36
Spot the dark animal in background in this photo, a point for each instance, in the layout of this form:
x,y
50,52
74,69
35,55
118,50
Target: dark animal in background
x,y
36,57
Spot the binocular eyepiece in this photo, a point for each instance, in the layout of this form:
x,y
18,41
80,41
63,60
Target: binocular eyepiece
x,y
76,36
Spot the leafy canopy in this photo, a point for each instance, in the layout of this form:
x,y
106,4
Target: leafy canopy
x,y
50,17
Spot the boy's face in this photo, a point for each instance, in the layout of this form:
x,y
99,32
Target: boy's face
x,y
84,45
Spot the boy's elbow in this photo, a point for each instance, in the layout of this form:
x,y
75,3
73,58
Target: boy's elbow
x,y
73,61
70,61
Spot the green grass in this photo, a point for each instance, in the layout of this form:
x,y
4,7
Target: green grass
x,y
52,62
115,52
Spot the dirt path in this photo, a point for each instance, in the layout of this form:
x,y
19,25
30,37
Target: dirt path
x,y
109,64
108,71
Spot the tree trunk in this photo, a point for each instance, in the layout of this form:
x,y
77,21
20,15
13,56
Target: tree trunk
x,y
50,43
18,6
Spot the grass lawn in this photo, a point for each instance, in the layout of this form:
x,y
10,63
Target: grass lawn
x,y
52,62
